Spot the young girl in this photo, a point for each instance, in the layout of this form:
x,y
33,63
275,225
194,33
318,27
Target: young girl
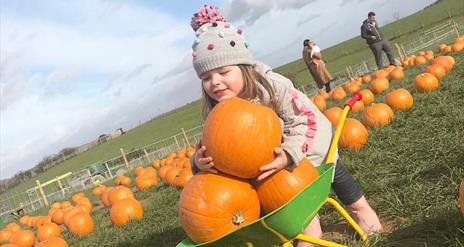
x,y
227,69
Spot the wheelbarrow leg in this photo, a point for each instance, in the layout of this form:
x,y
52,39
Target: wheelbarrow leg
x,y
348,218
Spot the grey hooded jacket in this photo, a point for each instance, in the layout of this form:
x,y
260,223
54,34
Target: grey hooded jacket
x,y
371,32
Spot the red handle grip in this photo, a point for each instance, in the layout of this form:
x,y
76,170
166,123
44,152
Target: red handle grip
x,y
356,97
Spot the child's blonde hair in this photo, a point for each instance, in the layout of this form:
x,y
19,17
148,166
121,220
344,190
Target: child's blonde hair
x,y
249,91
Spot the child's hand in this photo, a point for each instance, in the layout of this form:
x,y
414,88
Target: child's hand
x,y
281,161
202,162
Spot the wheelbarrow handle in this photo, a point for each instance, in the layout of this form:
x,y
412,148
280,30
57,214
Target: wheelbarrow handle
x,y
355,98
348,105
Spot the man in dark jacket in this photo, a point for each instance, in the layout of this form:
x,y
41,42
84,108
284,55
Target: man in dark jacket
x,y
370,31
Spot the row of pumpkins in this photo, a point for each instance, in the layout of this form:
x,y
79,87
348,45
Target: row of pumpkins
x,y
212,205
354,134
77,219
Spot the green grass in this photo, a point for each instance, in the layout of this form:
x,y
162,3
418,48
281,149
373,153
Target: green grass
x,y
410,171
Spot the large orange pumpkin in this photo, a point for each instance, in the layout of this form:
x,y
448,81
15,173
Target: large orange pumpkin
x,y
354,134
53,242
48,230
241,136
367,96
338,94
397,74
425,82
119,193
399,99
81,223
145,181
22,238
379,85
212,205
125,210
437,70
444,61
277,189
333,114
377,115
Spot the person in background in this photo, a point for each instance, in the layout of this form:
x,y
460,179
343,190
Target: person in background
x,y
316,66
370,31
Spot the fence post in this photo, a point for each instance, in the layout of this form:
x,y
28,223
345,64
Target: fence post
x,y
455,27
146,155
60,185
108,169
399,51
185,137
365,66
125,159
177,143
42,192
348,71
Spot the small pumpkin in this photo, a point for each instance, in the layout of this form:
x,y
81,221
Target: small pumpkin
x,y
125,210
379,85
4,235
53,242
81,223
457,47
338,94
119,193
13,227
334,114
418,60
48,230
231,131
97,191
57,216
144,181
437,70
425,82
367,96
444,61
377,115
354,135
22,238
397,74
212,205
380,73
277,189
366,78
399,99
319,101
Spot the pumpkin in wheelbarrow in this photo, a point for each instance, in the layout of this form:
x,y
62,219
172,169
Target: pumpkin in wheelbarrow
x,y
277,189
241,136
213,205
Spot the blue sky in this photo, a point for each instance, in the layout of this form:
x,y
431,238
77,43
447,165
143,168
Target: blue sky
x,y
72,70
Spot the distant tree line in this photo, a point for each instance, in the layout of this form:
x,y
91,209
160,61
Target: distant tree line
x,y
46,163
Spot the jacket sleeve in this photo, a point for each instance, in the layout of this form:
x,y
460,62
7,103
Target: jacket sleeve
x,y
364,33
294,108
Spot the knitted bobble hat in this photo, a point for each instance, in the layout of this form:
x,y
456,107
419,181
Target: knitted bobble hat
x,y
218,43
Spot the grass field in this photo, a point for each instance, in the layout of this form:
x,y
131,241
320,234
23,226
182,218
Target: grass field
x,y
349,52
410,171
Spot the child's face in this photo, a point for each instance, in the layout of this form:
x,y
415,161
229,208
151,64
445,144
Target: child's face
x,y
223,83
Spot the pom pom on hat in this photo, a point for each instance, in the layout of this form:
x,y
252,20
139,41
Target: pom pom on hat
x,y
206,14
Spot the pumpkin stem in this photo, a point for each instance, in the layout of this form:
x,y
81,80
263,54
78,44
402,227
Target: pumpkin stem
x,y
237,218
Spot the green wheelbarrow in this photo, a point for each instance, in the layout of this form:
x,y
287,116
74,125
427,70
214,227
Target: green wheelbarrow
x,y
282,226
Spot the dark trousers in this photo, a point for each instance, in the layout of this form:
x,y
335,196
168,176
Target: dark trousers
x,y
377,49
344,185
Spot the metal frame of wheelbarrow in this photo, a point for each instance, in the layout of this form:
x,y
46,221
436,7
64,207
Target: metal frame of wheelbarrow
x,y
286,223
